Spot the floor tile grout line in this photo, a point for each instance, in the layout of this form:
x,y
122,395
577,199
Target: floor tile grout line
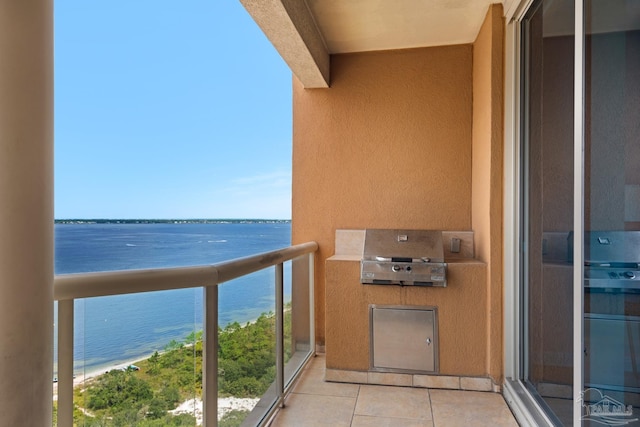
x,y
389,417
433,419
353,414
323,394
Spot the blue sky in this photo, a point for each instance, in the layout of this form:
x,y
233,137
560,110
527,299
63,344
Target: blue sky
x,y
169,109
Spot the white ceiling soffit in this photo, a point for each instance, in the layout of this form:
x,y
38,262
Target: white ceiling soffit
x,y
367,25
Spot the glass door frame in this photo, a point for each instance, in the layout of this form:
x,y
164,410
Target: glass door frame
x,y
578,211
525,407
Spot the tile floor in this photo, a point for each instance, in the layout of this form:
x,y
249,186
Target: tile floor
x,y
314,402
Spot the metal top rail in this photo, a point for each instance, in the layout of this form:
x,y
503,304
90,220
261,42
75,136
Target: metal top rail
x,y
87,285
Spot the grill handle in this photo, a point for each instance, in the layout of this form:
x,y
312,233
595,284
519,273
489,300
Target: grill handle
x,y
628,265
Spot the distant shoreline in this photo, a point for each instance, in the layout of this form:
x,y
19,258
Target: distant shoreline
x,y
171,221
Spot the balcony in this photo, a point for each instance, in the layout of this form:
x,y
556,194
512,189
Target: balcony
x,y
408,138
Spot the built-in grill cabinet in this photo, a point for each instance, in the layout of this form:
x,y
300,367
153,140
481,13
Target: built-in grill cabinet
x,y
403,338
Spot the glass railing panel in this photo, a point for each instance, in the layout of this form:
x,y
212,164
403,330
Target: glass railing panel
x,y
247,356
297,330
138,359
149,331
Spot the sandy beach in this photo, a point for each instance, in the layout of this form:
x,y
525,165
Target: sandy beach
x,y
82,377
225,405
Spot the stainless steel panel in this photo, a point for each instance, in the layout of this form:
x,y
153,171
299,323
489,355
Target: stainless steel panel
x,y
612,279
612,346
403,243
403,338
403,273
612,246
403,257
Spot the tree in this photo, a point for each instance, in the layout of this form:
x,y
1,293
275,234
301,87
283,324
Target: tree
x,y
117,388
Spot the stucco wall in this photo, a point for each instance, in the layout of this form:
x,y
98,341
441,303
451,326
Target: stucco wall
x,y
387,146
487,174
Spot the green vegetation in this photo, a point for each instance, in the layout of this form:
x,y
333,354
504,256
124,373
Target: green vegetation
x,y
233,419
144,397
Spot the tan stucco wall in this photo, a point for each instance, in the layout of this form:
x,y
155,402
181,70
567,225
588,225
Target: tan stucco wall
x,y
387,146
407,139
487,175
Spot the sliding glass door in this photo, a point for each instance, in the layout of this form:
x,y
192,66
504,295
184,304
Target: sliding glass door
x,y
579,213
612,208
547,204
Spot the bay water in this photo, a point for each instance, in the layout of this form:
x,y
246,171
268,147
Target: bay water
x,y
112,330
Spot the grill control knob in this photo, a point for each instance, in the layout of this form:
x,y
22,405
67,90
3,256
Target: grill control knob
x,y
629,274
396,268
408,268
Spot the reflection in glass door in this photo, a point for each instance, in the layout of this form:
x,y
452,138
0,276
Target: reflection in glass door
x,y
612,208
547,211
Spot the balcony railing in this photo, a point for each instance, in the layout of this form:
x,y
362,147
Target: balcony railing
x,y
69,287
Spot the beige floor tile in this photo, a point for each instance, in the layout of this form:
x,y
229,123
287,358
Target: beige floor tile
x,y
367,421
393,402
454,408
316,363
304,410
312,382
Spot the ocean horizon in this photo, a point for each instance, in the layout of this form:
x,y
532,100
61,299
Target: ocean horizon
x,y
112,330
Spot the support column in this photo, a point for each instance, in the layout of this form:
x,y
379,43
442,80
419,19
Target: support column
x,y
26,212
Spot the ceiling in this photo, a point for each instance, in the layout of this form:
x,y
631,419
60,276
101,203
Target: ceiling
x,y
307,32
367,25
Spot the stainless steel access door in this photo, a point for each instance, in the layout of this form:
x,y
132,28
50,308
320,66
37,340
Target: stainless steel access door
x,y
403,338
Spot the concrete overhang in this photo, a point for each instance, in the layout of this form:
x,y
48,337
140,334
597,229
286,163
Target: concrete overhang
x,y
291,28
307,32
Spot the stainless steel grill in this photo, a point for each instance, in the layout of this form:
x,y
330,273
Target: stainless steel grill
x,y
611,301
403,257
612,260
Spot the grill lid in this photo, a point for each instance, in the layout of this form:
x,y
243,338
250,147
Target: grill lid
x,y
403,245
612,246
612,260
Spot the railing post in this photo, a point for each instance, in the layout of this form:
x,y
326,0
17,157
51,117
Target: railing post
x,y
312,307
65,363
280,332
210,359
